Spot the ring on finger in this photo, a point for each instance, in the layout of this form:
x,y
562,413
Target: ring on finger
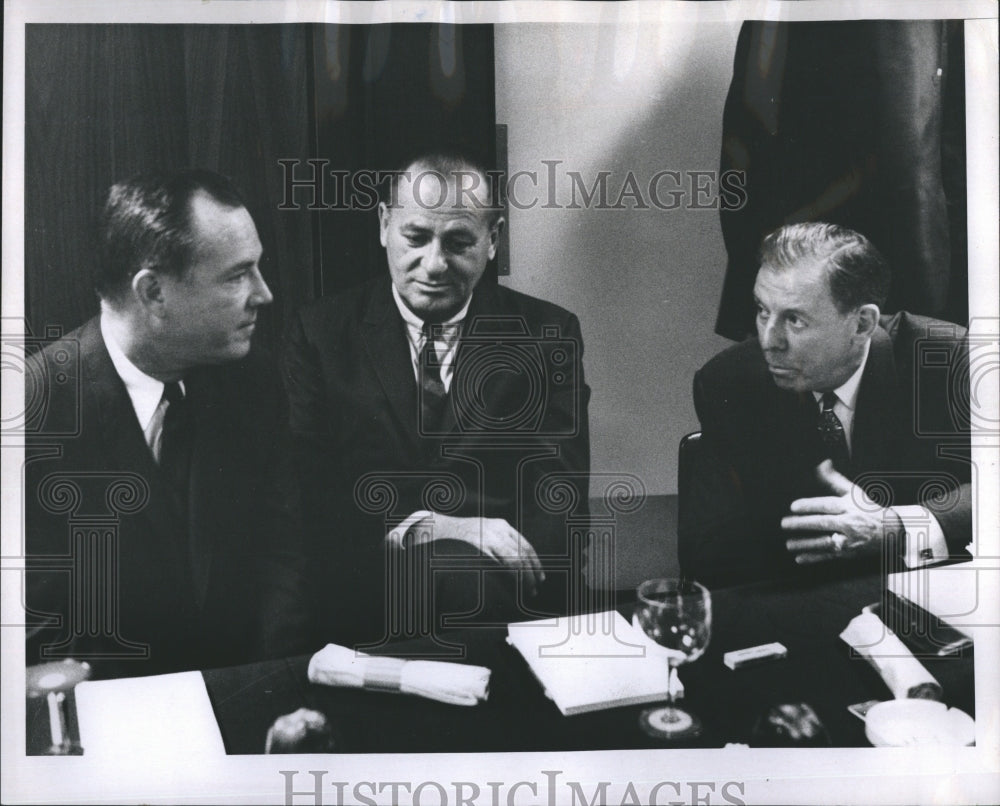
x,y
838,541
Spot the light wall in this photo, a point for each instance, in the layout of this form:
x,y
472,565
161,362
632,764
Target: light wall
x,y
622,97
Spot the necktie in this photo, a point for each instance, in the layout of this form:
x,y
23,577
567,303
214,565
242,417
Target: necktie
x,y
831,432
176,441
432,391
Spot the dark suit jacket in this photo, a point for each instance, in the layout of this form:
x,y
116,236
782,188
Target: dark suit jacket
x,y
517,413
910,445
218,584
859,123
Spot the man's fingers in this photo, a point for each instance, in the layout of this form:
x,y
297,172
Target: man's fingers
x,y
527,552
834,481
813,557
512,550
812,523
826,505
796,544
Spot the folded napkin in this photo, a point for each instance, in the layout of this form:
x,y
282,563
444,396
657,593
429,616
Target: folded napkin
x,y
902,673
453,683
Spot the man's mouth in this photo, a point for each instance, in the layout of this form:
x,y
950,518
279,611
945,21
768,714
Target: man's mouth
x,y
426,286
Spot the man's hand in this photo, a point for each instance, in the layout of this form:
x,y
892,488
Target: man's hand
x,y
854,524
494,537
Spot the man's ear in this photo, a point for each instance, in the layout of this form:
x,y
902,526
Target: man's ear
x,y
148,291
383,223
495,231
867,320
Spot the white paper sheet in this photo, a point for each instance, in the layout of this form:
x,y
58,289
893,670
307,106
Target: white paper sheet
x,y
168,716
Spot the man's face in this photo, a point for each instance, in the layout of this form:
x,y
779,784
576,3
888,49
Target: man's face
x,y
211,309
808,344
437,244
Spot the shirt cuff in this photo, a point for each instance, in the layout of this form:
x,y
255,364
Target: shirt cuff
x,y
923,537
397,534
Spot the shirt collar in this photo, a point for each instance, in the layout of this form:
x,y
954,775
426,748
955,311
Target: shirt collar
x,y
847,392
414,321
143,390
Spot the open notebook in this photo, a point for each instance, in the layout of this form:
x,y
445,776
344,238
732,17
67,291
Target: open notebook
x,y
593,661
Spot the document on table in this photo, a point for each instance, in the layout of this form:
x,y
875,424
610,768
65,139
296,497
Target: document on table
x,y
593,661
168,715
953,593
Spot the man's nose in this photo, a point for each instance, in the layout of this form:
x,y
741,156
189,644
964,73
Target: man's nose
x,y
770,335
260,294
435,260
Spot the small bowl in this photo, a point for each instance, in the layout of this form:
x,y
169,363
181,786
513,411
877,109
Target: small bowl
x,y
899,723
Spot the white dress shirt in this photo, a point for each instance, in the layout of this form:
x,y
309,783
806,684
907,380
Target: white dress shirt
x,y
145,392
446,338
924,541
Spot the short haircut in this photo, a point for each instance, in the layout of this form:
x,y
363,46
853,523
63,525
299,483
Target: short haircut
x,y
146,224
451,160
856,271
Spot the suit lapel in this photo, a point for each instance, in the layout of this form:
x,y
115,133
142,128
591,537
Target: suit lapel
x,y
388,354
211,450
122,441
478,307
876,410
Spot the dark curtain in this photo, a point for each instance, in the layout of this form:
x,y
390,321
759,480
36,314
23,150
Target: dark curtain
x,y
381,91
858,123
106,101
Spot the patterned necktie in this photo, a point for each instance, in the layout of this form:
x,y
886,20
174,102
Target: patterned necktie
x,y
432,391
176,441
831,431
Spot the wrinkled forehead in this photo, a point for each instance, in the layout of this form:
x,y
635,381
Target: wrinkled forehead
x,y
804,285
459,195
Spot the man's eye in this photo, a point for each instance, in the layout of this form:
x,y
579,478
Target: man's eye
x,y
459,245
761,313
796,322
415,238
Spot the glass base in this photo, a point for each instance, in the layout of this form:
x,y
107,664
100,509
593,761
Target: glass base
x,y
669,723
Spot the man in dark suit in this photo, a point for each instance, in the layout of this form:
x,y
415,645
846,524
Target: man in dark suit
x,y
161,527
838,435
441,423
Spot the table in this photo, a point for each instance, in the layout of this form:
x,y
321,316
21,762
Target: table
x,y
806,618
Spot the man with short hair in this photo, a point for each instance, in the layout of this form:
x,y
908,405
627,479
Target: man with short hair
x,y
168,431
840,434
434,412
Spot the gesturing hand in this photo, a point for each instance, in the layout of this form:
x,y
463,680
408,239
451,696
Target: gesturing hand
x,y
853,523
495,538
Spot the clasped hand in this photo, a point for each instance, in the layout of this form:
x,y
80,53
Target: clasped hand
x,y
853,523
495,538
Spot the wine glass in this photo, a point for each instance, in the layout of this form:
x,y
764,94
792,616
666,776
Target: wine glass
x,y
677,614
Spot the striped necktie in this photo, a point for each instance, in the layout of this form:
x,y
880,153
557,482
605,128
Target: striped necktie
x,y
831,432
432,391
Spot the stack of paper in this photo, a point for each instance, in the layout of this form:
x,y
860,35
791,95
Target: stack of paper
x,y
594,661
953,593
167,715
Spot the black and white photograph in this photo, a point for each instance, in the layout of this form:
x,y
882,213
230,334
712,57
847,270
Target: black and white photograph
x,y
500,403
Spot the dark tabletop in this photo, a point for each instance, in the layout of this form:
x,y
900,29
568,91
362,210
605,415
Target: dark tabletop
x,y
517,716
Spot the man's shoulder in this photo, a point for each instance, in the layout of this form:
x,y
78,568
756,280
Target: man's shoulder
x,y
498,300
905,327
329,319
740,365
